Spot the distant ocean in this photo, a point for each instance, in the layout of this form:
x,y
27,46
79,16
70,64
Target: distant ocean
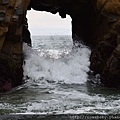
x,y
56,81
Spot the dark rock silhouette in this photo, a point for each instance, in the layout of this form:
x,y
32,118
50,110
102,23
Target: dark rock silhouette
x,y
26,34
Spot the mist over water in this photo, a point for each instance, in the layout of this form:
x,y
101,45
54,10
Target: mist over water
x,y
56,81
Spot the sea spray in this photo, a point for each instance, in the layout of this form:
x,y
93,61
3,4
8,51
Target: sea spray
x,y
69,66
56,81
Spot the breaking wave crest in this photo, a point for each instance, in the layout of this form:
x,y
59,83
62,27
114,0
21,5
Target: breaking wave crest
x,y
65,66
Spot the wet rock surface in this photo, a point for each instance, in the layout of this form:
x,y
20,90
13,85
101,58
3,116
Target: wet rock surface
x,y
97,22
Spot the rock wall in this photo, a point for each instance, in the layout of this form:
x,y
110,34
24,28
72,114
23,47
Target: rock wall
x,y
12,17
105,56
97,22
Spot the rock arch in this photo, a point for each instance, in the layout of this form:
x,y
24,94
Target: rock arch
x,y
96,21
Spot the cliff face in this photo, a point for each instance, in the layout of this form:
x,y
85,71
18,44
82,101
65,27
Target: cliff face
x,y
12,17
105,56
97,22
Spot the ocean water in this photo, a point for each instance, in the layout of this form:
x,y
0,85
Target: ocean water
x,y
57,82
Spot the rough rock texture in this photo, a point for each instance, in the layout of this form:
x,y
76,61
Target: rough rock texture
x,y
12,17
97,22
105,56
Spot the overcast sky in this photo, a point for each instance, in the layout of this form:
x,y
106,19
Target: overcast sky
x,y
44,23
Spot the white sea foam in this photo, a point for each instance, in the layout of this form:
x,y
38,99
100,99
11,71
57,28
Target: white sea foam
x,y
69,67
56,76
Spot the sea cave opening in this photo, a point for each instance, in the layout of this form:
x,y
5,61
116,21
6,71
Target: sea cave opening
x,y
48,24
